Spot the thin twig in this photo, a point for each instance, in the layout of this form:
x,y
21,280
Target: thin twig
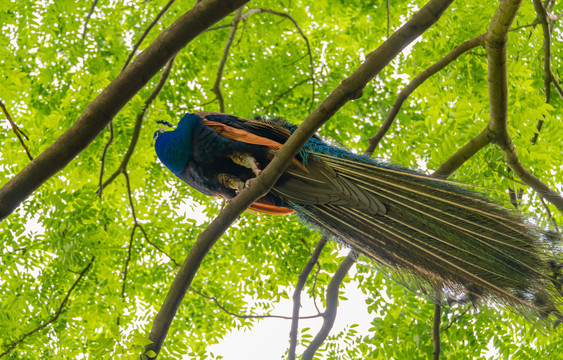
x,y
534,23
454,320
388,17
541,13
129,58
127,260
218,27
309,52
138,124
88,18
16,129
57,313
549,215
145,33
314,287
156,246
415,83
216,301
556,84
103,160
313,259
281,95
217,85
242,32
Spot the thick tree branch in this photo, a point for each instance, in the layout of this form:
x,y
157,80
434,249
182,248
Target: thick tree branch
x,y
331,305
102,110
498,89
230,39
415,83
16,130
351,88
495,44
542,16
57,313
474,145
436,325
313,259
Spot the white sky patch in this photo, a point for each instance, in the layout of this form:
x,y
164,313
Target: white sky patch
x,y
269,338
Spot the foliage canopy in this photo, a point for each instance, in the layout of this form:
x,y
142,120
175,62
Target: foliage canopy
x,y
88,272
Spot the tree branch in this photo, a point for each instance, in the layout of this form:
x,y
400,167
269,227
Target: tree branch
x,y
156,246
145,33
126,265
55,316
16,130
556,84
110,141
138,124
445,328
331,305
230,39
313,259
466,152
541,13
549,216
415,83
388,17
88,18
436,325
216,301
495,44
290,18
103,161
351,88
102,110
281,95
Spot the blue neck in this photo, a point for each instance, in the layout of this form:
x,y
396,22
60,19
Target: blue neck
x,y
174,148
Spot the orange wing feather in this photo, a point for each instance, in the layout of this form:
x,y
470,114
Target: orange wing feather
x,y
244,136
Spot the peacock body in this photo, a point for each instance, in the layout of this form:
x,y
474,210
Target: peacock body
x,y
432,229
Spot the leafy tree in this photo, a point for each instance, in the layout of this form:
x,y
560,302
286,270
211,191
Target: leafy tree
x,y
90,254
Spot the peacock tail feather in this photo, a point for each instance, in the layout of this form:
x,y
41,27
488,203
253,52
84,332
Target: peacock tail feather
x,y
440,233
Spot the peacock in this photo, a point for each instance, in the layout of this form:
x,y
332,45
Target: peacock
x,y
433,230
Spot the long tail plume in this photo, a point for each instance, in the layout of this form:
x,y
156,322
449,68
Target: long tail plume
x,y
442,234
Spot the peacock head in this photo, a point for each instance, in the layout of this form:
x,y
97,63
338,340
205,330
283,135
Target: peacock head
x,y
174,148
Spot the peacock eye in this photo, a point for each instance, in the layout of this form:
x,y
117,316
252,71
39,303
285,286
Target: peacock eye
x,y
157,134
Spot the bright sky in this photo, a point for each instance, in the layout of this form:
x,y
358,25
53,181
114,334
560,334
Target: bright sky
x,y
269,339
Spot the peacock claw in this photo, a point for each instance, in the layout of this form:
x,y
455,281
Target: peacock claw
x,y
231,182
246,160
